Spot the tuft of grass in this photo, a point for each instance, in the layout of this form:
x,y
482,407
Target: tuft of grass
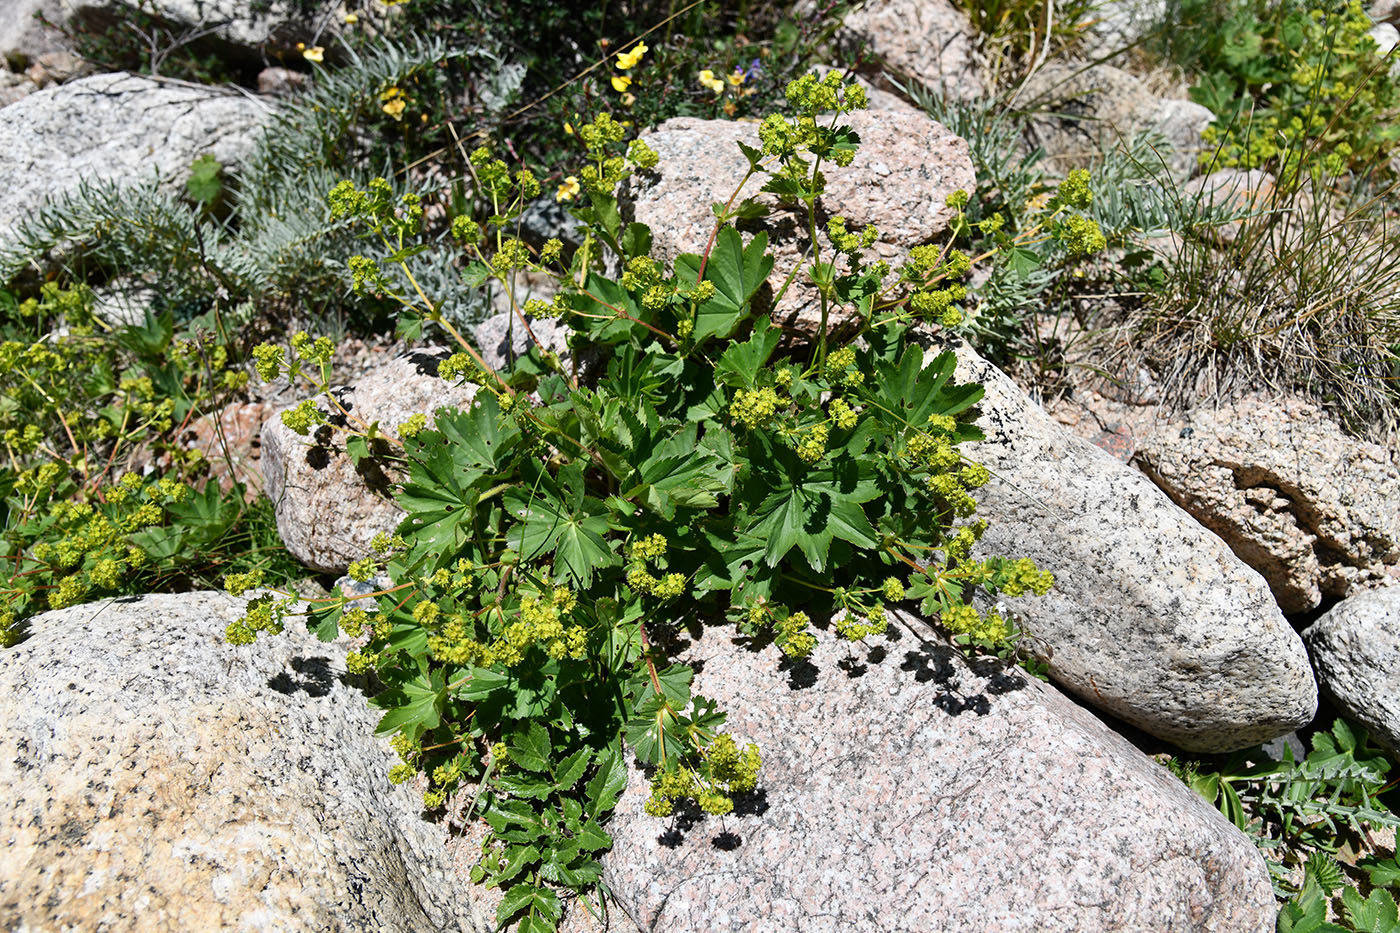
x,y
1305,299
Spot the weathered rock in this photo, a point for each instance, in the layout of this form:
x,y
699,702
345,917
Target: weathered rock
x,y
502,340
1152,618
902,790
22,35
1313,510
115,127
900,180
1356,652
930,41
1117,25
158,779
242,27
280,82
14,87
1081,111
328,510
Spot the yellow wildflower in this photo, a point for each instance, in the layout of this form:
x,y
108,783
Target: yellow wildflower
x,y
620,83
629,99
313,54
351,19
393,103
736,77
569,189
707,78
626,60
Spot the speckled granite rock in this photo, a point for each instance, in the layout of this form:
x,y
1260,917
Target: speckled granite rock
x,y
328,510
902,791
115,127
243,26
930,41
158,779
1313,510
1356,652
901,177
1081,110
1152,618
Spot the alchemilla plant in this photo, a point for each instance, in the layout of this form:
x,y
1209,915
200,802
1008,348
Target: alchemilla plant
x,y
560,528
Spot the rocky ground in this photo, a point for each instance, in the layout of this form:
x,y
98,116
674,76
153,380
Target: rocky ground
x,y
1217,571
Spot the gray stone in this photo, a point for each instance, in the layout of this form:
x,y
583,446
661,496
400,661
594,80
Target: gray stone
x,y
900,179
22,36
1313,510
929,41
502,339
1117,25
157,778
1080,111
902,790
1152,618
328,509
1356,653
116,127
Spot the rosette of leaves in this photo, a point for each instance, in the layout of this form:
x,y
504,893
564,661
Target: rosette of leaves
x,y
561,530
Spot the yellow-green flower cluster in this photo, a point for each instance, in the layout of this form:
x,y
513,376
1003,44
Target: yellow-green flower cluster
x,y
965,620
812,446
303,417
754,408
854,627
1081,236
542,622
263,614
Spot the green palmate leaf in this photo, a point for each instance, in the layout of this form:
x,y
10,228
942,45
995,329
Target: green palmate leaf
x,y
737,271
613,315
413,704
1376,913
448,470
653,731
739,365
807,507
1383,873
556,516
909,392
205,183
571,769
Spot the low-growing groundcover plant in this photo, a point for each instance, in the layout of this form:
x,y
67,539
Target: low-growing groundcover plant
x,y
88,412
559,531
1295,85
1309,815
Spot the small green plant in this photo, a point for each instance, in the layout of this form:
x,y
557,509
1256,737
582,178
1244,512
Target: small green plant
x,y
1297,85
1018,35
82,405
1308,911
559,531
1302,812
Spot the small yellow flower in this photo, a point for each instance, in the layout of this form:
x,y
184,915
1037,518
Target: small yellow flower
x,y
736,77
620,83
351,19
313,54
569,189
629,99
626,60
707,78
568,128
392,102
